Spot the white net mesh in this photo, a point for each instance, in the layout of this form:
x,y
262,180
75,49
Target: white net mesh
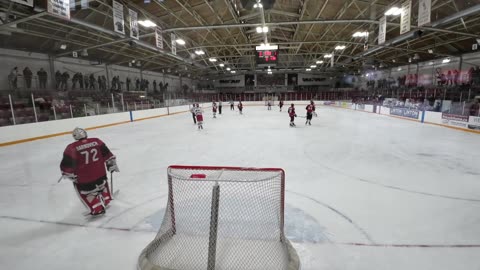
x,y
222,218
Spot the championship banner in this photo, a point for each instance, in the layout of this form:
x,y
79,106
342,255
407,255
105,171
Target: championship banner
x,y
382,30
332,60
159,37
118,20
84,4
405,18
24,2
133,24
424,12
174,43
59,8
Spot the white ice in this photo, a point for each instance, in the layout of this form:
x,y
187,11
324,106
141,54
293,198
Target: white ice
x,y
363,191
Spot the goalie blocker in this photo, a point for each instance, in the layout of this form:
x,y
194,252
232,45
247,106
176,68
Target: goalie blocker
x,y
84,164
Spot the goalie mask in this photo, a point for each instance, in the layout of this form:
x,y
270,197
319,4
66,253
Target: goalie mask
x,y
79,133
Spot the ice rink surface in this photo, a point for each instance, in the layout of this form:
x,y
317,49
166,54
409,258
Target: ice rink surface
x,y
363,191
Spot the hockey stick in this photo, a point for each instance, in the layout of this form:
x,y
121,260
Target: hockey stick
x,y
60,179
111,185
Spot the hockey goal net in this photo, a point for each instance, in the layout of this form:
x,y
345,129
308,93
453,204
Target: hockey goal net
x,y
222,218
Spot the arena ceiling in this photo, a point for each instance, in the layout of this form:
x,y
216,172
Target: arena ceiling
x,y
305,31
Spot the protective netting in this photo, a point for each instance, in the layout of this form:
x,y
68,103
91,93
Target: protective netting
x,y
222,218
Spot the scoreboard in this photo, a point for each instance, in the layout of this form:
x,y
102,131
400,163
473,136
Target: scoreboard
x,y
266,56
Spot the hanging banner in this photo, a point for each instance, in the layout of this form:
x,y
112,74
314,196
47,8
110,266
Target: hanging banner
x,y
84,4
424,12
59,8
174,43
382,30
133,24
233,81
313,79
332,60
159,37
118,21
24,2
405,18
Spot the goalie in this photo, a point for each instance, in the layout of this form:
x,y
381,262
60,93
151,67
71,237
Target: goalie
x,y
84,164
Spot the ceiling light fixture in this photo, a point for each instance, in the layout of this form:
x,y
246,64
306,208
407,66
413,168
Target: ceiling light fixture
x,y
327,56
360,34
233,72
340,47
258,5
313,66
199,52
308,69
320,62
259,29
180,41
147,23
212,59
221,65
447,60
228,69
394,11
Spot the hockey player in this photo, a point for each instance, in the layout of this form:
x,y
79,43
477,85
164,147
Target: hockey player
x,y
269,105
240,107
280,104
214,109
220,107
192,110
84,164
232,107
313,104
292,114
199,115
310,107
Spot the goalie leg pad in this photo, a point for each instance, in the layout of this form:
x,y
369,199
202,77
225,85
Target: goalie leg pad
x,y
94,196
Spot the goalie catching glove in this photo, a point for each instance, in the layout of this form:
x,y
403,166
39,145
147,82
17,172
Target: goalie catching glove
x,y
112,165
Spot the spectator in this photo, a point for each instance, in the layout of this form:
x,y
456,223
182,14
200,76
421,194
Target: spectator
x,y
128,83
147,83
27,75
476,76
92,81
100,82
154,86
137,84
42,78
456,77
80,80
58,79
114,83
65,77
75,80
12,78
474,108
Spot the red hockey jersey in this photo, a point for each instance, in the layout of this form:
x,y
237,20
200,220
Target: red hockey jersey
x,y
291,111
86,158
310,108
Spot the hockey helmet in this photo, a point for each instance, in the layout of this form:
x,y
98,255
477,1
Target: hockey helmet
x,y
293,105
79,133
